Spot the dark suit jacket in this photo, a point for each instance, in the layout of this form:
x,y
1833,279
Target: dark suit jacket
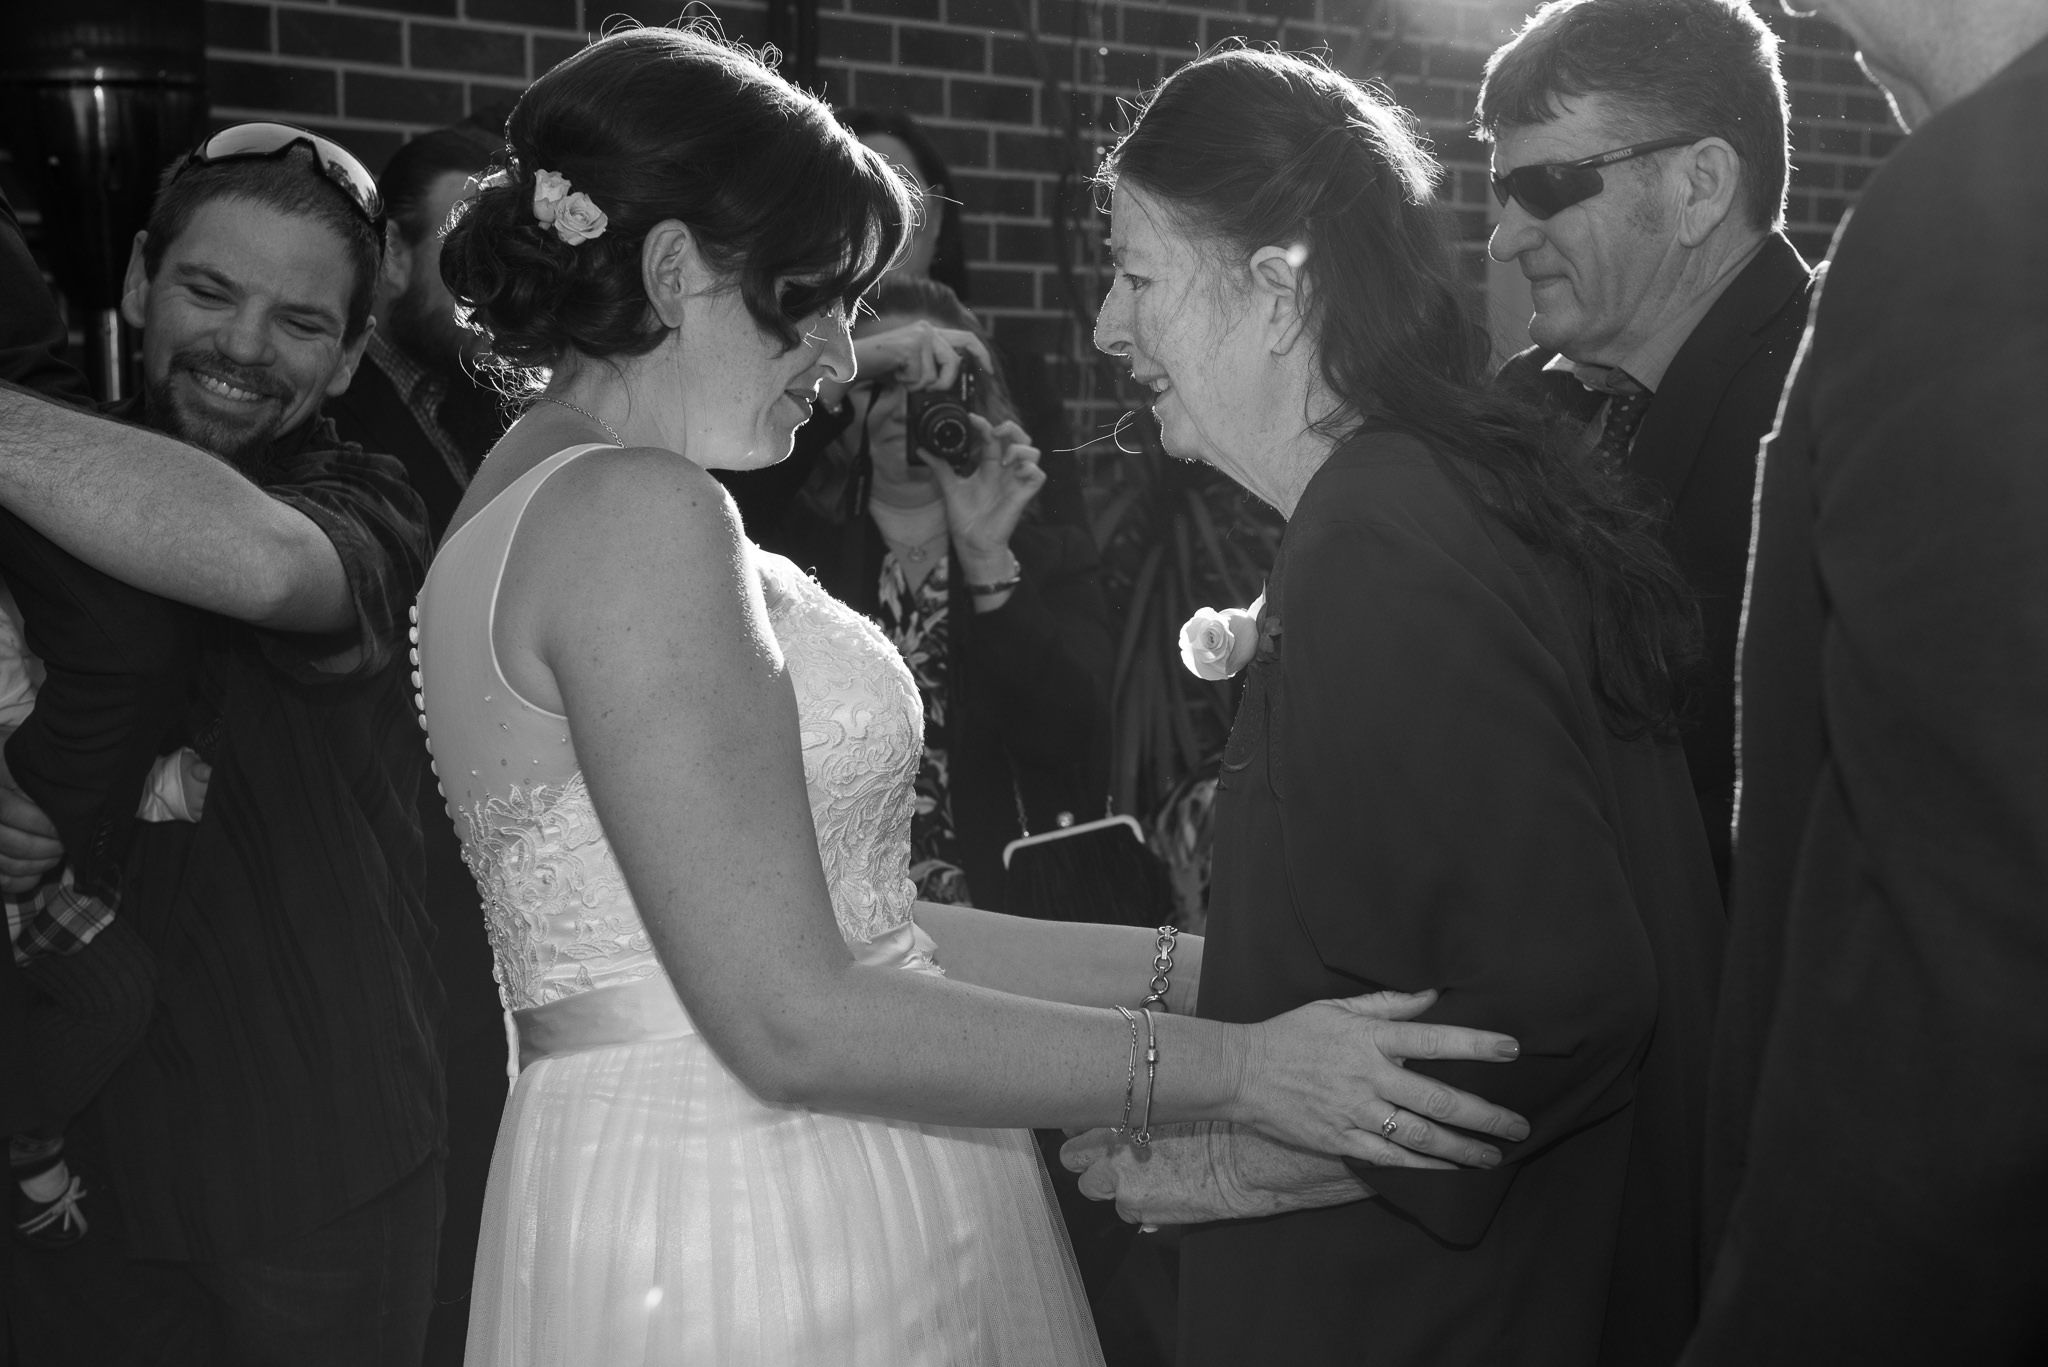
x,y
1697,452
1420,792
1879,1133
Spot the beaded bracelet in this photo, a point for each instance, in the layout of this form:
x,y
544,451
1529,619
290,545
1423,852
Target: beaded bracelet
x,y
1162,968
1131,1082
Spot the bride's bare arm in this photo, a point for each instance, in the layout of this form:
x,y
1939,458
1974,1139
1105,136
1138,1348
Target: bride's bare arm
x,y
631,591
1059,961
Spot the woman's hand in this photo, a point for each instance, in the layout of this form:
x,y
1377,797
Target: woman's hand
x,y
1327,1076
918,355
1190,1174
982,509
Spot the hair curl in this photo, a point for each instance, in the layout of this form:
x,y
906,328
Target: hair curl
x,y
1255,148
671,123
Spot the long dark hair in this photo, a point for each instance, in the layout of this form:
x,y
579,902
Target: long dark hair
x,y
1254,148
661,123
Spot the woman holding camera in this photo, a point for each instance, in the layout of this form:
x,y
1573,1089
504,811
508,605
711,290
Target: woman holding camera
x,y
998,613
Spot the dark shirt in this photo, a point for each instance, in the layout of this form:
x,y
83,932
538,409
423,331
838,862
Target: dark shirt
x,y
1420,791
438,424
1694,456
291,1072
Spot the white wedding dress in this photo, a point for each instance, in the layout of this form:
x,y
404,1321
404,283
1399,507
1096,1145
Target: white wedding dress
x,y
644,1206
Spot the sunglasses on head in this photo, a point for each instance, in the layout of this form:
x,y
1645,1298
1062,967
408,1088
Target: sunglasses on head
x,y
1553,187
251,141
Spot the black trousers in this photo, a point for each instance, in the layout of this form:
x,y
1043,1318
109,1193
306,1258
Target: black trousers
x,y
85,1012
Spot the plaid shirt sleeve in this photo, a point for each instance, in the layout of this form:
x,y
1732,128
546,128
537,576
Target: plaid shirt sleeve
x,y
366,507
54,919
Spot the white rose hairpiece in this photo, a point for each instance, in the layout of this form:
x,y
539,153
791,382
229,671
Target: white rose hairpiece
x,y
574,218
1215,645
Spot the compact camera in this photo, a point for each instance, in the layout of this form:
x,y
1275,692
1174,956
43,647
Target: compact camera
x,y
936,421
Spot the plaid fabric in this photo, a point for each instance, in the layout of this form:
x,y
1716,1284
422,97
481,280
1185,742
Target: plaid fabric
x,y
423,392
54,919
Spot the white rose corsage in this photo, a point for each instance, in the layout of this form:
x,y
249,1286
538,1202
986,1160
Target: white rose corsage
x,y
1216,645
573,217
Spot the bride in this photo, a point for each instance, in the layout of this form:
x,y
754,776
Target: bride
x,y
765,1114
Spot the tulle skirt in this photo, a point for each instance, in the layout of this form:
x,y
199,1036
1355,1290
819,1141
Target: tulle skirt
x,y
644,1207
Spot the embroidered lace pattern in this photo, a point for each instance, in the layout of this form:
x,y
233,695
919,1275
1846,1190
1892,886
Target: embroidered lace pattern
x,y
560,917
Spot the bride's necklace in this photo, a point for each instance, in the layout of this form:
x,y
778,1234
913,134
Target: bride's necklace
x,y
564,403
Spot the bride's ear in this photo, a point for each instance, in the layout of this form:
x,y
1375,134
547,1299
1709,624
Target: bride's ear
x,y
671,269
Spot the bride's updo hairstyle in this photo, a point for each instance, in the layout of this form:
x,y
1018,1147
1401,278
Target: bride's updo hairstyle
x,y
669,123
1247,149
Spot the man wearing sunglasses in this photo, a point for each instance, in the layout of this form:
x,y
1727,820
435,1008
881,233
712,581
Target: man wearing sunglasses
x,y
1639,157
274,1138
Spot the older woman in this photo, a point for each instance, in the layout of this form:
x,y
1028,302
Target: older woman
x,y
770,1108
1451,768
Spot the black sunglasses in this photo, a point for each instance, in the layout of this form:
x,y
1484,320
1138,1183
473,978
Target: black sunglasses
x,y
248,141
1552,187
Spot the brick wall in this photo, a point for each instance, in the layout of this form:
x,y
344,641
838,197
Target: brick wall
x,y
1019,93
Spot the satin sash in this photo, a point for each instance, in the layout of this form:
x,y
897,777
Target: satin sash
x,y
638,1012
631,1013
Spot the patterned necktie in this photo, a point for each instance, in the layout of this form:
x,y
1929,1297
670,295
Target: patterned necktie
x,y
1627,401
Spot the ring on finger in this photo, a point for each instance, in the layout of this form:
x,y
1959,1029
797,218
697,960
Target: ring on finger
x,y
1390,1124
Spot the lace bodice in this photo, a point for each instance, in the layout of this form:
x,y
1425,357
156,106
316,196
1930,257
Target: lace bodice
x,y
561,919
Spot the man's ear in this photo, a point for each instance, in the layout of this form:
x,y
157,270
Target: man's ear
x,y
672,270
1712,182
135,285
396,271
351,357
1279,288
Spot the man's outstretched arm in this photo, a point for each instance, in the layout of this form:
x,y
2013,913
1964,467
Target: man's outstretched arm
x,y
167,517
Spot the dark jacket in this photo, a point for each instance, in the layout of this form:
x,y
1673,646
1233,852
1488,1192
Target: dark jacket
x,y
1420,792
374,415
118,664
1696,452
118,660
1028,682
1878,1146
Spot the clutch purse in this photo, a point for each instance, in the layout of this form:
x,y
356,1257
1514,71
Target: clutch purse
x,y
1098,871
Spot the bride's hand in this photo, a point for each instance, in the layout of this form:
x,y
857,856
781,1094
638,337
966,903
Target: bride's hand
x,y
1329,1075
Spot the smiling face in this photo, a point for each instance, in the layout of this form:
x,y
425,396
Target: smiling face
x,y
242,325
1591,267
1189,336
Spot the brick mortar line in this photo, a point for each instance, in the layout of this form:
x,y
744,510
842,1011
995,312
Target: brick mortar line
x,y
348,11
349,64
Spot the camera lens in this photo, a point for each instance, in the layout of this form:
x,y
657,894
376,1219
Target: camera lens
x,y
945,431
